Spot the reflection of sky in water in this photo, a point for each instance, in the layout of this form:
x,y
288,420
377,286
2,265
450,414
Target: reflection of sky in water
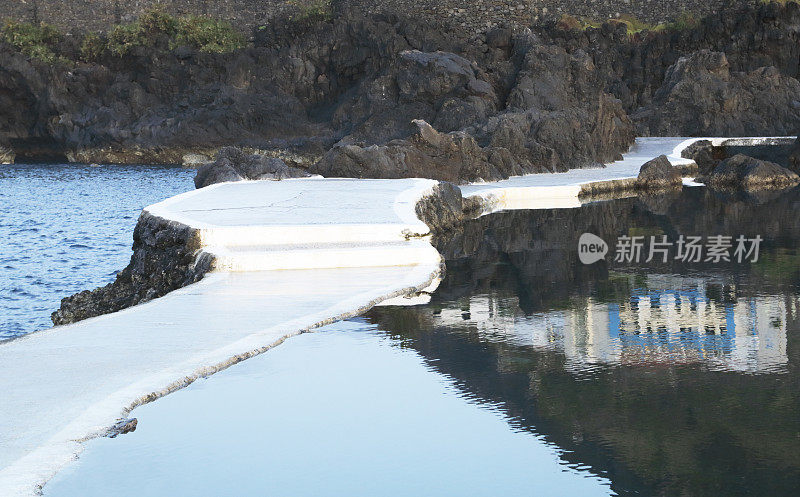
x,y
670,320
342,412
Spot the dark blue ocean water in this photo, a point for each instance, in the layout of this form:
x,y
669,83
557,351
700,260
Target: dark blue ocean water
x,y
67,228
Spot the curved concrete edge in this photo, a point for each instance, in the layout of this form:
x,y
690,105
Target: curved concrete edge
x,y
27,476
343,230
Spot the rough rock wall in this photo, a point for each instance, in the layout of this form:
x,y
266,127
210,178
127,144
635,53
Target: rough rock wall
x,y
355,81
476,14
165,258
634,68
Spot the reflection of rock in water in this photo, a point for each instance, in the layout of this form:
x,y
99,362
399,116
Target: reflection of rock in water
x,y
534,253
671,405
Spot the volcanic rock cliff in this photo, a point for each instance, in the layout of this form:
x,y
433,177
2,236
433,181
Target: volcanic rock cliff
x,y
389,95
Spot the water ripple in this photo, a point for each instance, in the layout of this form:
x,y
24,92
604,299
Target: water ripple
x,y
67,228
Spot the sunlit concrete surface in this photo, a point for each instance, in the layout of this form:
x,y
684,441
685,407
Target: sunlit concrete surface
x,y
561,190
354,244
71,383
300,211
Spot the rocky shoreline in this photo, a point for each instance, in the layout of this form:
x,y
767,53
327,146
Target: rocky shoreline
x,y
389,96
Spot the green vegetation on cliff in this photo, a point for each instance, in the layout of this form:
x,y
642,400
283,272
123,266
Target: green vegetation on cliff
x,y
155,28
202,33
633,25
37,41
312,10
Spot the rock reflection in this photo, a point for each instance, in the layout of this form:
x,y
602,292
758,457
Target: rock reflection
x,y
670,379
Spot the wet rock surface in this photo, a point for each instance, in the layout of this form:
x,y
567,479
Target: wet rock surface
x,y
164,259
741,171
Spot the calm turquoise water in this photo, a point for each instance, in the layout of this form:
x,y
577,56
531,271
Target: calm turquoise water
x,y
67,228
529,373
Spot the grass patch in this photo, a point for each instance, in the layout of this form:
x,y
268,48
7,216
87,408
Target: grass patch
x,y
208,35
311,10
684,21
199,32
632,24
92,47
569,22
37,41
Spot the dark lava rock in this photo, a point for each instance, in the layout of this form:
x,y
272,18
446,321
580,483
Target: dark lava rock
x,y
164,259
233,164
454,157
444,208
702,96
633,67
122,427
555,117
658,174
741,171
794,157
529,102
520,105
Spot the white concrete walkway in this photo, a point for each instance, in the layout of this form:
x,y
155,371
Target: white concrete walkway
x,y
70,383
560,190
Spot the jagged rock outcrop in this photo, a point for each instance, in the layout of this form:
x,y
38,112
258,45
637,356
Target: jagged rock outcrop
x,y
445,208
354,81
658,174
165,258
741,171
234,164
633,66
555,117
702,96
530,102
